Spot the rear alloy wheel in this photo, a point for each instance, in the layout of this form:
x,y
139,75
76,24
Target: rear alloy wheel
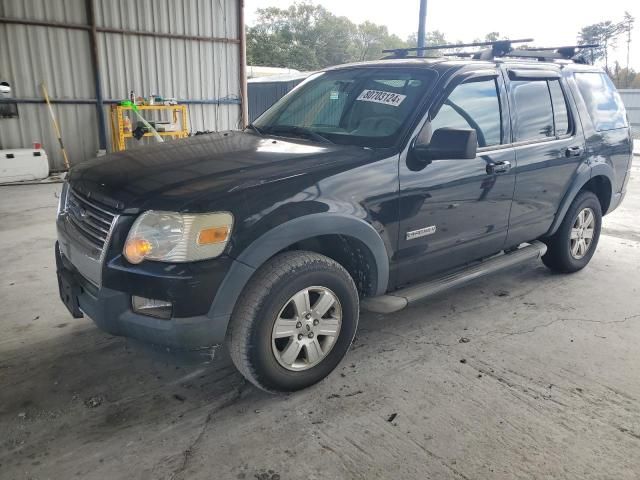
x,y
294,322
582,233
570,249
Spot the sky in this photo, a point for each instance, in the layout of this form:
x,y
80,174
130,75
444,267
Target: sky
x,y
549,22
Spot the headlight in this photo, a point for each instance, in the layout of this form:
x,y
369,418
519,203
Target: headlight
x,y
177,237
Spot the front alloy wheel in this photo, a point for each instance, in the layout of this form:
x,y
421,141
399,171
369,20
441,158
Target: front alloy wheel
x,y
295,321
306,328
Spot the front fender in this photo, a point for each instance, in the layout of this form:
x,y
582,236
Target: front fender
x,y
584,174
310,226
279,238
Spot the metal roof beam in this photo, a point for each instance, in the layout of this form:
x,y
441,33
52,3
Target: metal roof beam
x,y
120,31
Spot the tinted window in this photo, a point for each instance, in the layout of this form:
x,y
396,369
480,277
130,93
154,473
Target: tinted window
x,y
560,112
473,105
602,100
355,106
533,113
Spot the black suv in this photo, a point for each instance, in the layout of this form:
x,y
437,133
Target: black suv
x,y
374,184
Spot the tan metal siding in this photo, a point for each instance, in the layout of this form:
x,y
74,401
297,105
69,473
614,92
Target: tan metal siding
x,y
631,100
180,68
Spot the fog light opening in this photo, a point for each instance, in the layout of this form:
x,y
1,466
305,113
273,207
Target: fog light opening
x,y
151,307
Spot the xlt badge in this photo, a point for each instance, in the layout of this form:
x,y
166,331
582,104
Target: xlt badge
x,y
421,232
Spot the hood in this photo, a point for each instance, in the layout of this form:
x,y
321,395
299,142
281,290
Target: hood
x,y
171,175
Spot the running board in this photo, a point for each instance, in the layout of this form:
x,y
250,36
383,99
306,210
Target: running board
x,y
399,299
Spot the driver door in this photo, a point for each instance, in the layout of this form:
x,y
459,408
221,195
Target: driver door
x,y
455,211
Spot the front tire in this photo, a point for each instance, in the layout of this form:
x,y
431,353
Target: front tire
x,y
570,249
294,322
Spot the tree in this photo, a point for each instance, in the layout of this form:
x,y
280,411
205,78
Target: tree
x,y
603,34
493,37
624,77
627,27
370,40
303,36
435,37
334,40
308,37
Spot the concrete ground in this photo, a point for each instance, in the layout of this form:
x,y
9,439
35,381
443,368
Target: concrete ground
x,y
525,374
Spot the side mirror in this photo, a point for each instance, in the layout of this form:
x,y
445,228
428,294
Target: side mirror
x,y
448,144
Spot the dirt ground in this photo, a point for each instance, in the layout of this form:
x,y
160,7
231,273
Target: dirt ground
x,y
525,374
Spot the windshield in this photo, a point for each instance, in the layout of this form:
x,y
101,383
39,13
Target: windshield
x,y
358,106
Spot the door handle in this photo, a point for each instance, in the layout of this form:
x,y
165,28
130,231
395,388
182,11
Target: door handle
x,y
574,151
499,167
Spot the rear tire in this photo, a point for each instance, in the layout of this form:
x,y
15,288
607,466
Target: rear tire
x,y
570,249
294,322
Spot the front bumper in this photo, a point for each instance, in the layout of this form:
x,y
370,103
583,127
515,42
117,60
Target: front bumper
x,y
111,309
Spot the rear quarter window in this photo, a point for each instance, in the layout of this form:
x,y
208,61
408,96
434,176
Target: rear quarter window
x,y
603,102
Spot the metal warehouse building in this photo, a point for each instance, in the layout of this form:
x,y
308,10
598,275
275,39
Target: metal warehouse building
x,y
92,53
631,99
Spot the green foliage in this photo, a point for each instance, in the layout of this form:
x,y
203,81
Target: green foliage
x,y
606,35
493,37
624,77
308,37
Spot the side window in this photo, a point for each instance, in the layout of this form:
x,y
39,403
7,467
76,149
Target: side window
x,y
533,111
560,110
473,105
602,100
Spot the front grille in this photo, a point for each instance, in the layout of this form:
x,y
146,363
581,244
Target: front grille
x,y
92,221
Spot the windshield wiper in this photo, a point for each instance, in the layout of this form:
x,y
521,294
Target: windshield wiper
x,y
251,126
296,131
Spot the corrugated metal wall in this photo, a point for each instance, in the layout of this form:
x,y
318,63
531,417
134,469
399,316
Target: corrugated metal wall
x,y
631,99
185,69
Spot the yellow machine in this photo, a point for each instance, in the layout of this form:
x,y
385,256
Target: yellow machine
x,y
122,123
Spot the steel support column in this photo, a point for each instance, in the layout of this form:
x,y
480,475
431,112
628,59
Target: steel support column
x,y
244,95
95,62
422,31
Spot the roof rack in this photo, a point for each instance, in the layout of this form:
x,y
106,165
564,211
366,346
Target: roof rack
x,y
498,47
502,48
567,52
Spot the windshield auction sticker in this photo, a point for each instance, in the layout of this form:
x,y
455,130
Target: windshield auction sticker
x,y
378,96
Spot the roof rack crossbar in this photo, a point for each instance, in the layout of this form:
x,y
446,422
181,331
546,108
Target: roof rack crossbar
x,y
567,52
456,45
540,55
458,54
501,48
565,47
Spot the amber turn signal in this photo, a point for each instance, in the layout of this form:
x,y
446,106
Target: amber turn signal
x,y
212,235
136,249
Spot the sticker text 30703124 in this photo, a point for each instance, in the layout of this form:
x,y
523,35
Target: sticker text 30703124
x,y
378,96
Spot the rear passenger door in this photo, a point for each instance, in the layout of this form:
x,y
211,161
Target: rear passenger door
x,y
549,148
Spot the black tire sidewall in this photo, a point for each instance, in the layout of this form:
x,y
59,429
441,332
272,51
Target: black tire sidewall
x,y
267,369
562,239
